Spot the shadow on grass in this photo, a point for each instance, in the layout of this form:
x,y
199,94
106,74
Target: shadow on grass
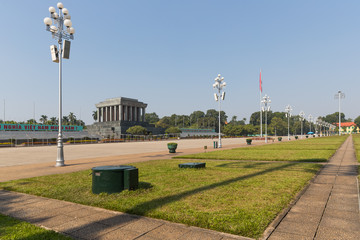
x,y
145,185
144,208
261,165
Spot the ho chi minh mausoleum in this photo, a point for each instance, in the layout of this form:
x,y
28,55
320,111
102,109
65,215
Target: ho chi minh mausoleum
x,y
116,115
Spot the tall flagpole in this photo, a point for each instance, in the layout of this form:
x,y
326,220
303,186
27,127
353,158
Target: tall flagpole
x,y
260,83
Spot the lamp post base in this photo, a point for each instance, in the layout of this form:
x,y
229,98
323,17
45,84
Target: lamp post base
x,y
60,157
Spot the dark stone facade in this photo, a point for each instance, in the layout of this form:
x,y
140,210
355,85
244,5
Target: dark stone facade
x,y
116,128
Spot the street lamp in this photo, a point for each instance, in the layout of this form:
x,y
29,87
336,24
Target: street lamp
x,y
302,118
339,96
63,31
310,118
219,84
288,110
265,108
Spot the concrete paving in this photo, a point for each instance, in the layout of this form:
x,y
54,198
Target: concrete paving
x,y
42,154
329,208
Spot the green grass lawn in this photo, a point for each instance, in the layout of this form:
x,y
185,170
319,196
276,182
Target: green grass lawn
x,y
356,140
307,150
11,229
235,197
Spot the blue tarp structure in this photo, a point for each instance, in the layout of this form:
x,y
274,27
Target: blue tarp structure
x,y
310,133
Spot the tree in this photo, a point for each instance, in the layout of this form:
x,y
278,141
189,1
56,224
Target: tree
x,y
212,113
53,121
173,130
43,119
95,115
278,126
163,122
334,118
30,121
137,130
357,121
151,118
195,116
255,118
65,120
72,118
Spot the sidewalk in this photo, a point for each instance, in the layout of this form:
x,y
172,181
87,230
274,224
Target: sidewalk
x,y
329,208
84,222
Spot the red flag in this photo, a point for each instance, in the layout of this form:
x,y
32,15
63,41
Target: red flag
x,y
260,82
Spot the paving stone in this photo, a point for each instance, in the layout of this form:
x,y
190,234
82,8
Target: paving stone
x,y
306,209
346,180
119,234
143,225
73,225
338,223
167,231
327,179
303,229
326,233
310,203
352,216
92,230
195,235
288,236
340,206
303,217
119,220
82,212
50,222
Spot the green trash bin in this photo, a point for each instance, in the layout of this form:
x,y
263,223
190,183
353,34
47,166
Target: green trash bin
x,y
114,179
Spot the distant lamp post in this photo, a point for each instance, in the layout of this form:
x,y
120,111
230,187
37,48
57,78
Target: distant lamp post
x,y
219,85
320,123
288,110
63,31
265,108
302,118
310,118
339,96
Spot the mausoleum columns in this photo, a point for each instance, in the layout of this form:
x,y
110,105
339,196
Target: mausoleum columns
x,y
121,109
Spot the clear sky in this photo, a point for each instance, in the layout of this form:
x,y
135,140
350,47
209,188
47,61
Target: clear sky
x,y
167,54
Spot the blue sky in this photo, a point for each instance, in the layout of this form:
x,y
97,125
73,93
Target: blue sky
x,y
167,54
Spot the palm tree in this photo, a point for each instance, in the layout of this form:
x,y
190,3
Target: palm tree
x,y
94,115
65,120
53,121
31,121
43,119
72,118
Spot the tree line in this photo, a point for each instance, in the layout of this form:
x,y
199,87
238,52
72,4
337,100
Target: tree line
x,y
69,119
277,122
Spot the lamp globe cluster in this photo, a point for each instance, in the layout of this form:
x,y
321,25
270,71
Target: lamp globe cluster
x,y
56,21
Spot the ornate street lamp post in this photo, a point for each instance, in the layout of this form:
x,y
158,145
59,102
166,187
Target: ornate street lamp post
x,y
288,110
219,85
339,96
310,118
265,108
302,118
63,31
